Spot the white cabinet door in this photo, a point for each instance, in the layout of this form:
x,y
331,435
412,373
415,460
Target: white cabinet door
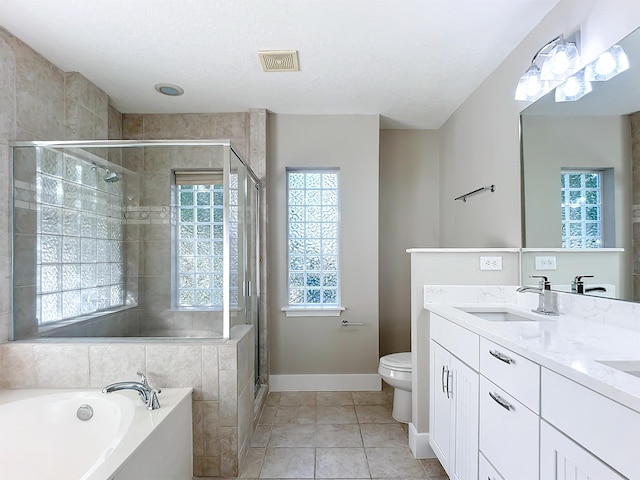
x,y
464,449
440,404
563,459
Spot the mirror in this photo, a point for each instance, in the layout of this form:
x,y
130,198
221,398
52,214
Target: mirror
x,y
580,187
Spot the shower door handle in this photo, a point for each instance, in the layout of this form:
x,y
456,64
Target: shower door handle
x,y
248,288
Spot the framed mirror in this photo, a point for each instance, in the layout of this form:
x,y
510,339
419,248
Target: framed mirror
x,y
581,186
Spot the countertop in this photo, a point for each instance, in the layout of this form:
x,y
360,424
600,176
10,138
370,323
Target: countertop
x,y
567,345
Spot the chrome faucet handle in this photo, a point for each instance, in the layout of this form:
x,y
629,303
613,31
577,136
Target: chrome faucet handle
x,y
143,379
545,284
577,286
154,403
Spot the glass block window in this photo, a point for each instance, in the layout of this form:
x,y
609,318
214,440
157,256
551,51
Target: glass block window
x,y
80,259
581,203
200,238
313,237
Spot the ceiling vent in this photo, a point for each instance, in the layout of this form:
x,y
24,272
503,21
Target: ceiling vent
x,y
279,60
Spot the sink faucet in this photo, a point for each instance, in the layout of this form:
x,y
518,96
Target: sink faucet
x,y
543,291
148,395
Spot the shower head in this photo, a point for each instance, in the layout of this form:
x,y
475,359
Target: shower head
x,y
111,177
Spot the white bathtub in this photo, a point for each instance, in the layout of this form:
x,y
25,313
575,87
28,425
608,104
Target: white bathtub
x,y
42,437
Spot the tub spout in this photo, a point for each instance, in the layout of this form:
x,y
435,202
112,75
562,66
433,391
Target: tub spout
x,y
148,395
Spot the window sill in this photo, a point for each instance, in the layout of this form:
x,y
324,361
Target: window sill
x,y
333,311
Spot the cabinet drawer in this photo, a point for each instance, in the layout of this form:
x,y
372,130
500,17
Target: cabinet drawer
x,y
509,433
486,470
463,343
605,428
512,372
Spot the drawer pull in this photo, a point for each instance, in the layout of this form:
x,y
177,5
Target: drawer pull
x,y
442,378
501,356
501,401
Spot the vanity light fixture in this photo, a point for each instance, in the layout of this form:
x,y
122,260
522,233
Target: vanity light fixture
x,y
607,65
573,88
560,60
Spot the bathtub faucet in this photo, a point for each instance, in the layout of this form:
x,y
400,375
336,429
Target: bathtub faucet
x,y
148,395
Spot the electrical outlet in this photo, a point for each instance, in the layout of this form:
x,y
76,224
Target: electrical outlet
x,y
490,263
546,263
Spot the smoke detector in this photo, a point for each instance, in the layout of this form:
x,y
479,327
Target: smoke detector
x,y
279,60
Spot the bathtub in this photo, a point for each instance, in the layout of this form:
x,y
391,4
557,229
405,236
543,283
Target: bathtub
x,y
41,435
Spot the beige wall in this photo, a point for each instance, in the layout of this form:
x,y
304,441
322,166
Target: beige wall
x,y
479,143
319,345
408,218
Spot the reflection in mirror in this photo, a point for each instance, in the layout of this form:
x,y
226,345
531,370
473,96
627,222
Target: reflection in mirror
x,y
581,186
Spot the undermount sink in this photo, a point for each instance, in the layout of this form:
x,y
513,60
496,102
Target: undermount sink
x,y
496,315
630,367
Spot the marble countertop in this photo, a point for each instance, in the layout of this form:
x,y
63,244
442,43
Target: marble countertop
x,y
570,346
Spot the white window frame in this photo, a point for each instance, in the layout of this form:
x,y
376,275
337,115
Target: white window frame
x,y
294,309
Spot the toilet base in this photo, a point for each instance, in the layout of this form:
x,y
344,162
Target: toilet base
x,y
401,406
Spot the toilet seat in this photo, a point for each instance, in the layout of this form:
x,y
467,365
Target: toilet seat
x,y
400,362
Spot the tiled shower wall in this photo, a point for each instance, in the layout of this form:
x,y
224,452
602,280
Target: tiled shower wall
x,y
635,198
247,132
38,101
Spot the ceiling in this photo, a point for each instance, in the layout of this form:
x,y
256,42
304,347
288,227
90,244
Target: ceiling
x,y
411,61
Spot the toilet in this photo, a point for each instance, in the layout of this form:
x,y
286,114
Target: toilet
x,y
395,369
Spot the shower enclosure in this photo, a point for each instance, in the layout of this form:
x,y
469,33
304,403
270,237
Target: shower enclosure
x,y
134,239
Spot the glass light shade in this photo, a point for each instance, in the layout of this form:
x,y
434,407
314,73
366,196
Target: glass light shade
x,y
608,65
530,86
560,62
574,88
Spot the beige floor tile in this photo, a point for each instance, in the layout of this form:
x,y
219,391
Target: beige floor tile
x,y
336,414
432,467
334,398
268,415
261,436
296,414
370,398
298,398
383,435
341,463
395,462
273,398
374,414
290,435
288,463
338,436
252,464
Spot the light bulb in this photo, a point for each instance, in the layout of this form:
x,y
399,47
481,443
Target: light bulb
x,y
605,64
560,62
608,65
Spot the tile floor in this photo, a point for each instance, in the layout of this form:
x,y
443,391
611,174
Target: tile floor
x,y
335,435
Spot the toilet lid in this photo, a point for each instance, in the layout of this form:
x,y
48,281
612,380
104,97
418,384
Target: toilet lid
x,y
397,361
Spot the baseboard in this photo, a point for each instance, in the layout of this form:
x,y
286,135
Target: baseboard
x,y
325,383
419,444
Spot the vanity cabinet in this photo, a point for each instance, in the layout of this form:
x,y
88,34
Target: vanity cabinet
x,y
454,404
563,459
496,415
597,426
